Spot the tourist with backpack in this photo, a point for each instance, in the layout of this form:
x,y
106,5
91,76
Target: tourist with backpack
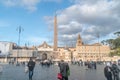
x,y
64,70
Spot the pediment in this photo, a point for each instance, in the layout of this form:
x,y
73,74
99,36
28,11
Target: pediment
x,y
44,45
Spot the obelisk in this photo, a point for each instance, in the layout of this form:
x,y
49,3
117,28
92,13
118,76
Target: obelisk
x,y
55,33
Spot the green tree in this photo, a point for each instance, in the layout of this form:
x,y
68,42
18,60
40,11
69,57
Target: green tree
x,y
114,44
117,33
117,43
103,42
110,42
118,51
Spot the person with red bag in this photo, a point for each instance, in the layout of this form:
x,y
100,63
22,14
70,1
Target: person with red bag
x,y
59,76
64,70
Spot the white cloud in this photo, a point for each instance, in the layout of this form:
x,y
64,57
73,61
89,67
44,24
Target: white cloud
x,y
27,4
49,21
30,5
89,17
9,3
71,28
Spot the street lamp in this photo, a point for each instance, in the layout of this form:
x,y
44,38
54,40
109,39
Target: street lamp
x,y
19,29
98,36
71,56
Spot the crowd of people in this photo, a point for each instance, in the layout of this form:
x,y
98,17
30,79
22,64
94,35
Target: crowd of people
x,y
111,71
64,69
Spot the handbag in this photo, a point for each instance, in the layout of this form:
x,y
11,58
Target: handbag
x,y
59,76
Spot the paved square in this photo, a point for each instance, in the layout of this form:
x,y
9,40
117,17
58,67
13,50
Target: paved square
x,y
12,72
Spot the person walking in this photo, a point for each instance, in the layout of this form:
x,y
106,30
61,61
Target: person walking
x,y
64,70
108,72
115,71
1,69
31,65
95,65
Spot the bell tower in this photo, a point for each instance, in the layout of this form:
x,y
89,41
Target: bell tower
x,y
79,41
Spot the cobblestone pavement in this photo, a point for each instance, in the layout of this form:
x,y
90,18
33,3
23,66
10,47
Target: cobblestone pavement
x,y
12,72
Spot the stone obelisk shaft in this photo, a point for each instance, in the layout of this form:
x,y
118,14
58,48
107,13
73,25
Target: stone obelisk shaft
x,y
55,33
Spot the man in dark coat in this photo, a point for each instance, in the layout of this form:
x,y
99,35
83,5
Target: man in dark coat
x,y
108,72
64,68
115,71
94,65
31,65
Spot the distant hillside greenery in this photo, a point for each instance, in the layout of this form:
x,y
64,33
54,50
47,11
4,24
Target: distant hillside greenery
x,y
114,44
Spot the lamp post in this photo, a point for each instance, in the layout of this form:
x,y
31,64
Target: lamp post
x,y
5,52
19,29
85,54
98,36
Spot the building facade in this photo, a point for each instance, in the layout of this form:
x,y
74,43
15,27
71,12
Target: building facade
x,y
5,50
45,51
95,52
5,47
84,52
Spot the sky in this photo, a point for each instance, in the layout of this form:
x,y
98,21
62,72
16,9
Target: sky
x,y
88,18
